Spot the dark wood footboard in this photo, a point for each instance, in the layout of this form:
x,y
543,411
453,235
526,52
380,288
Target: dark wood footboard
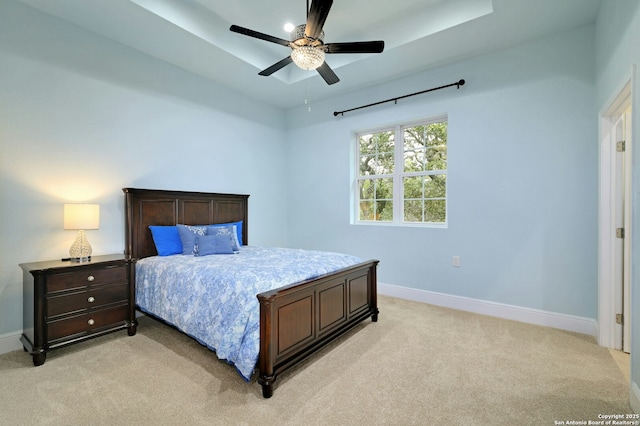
x,y
298,320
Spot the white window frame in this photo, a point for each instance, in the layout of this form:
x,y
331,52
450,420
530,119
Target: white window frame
x,y
398,176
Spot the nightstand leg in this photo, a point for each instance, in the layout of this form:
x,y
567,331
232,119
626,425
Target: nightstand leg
x,y
39,359
131,330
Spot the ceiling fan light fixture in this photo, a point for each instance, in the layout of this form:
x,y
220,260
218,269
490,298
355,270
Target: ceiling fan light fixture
x,y
307,57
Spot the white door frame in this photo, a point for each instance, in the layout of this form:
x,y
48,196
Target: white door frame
x,y
609,292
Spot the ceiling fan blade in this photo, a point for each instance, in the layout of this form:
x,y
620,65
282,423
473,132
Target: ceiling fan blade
x,y
275,67
316,18
261,36
355,47
327,73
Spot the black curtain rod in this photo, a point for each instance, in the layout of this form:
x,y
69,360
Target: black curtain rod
x,y
457,83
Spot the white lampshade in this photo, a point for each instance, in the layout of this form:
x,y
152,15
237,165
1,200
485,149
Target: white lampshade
x,y
81,217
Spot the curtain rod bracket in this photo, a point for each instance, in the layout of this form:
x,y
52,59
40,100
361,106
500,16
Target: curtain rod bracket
x,y
395,100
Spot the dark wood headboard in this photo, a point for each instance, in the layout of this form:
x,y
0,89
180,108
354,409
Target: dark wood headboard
x,y
144,207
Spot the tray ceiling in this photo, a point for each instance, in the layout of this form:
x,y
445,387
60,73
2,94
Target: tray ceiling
x,y
419,34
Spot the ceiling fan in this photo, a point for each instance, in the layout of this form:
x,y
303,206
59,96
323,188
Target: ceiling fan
x,y
307,43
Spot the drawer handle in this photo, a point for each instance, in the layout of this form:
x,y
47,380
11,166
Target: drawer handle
x,y
91,299
90,278
91,322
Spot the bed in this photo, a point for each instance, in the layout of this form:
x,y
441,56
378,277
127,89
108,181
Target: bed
x,y
295,320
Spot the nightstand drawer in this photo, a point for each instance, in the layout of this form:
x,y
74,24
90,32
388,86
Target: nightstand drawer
x,y
86,323
92,299
71,280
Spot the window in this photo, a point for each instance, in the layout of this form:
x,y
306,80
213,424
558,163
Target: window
x,y
403,182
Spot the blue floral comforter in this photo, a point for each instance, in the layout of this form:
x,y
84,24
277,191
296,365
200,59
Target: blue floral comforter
x,y
213,298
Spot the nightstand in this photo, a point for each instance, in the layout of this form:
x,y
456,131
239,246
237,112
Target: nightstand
x,y
66,302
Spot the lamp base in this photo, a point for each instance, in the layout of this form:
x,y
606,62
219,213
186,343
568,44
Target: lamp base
x,y
81,250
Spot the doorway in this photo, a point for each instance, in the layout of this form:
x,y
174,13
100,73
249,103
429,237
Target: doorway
x,y
622,136
614,280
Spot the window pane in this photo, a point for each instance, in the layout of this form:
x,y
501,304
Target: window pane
x,y
376,199
413,187
366,210
376,210
376,153
381,164
385,141
367,189
425,147
435,210
435,186
384,199
415,137
429,186
413,210
384,188
385,209
424,198
370,165
414,148
366,144
436,158
436,134
414,160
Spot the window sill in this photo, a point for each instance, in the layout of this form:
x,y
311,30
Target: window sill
x,y
403,224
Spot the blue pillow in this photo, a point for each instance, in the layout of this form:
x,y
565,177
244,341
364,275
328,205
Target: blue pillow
x,y
188,236
238,226
167,240
213,244
227,230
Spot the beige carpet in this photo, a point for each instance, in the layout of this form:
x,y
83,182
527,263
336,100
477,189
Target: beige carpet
x,y
419,364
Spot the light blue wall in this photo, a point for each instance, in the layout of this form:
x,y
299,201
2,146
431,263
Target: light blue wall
x,y
82,117
522,178
617,52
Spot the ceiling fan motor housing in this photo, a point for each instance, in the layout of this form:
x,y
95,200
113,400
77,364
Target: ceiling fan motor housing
x,y
298,37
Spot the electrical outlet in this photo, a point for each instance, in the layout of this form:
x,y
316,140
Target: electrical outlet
x,y
456,261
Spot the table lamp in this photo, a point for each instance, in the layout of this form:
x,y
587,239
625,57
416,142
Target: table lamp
x,y
81,217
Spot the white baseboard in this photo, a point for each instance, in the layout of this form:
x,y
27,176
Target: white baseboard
x,y
10,342
500,310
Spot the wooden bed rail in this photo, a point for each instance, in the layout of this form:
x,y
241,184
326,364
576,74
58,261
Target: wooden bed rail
x,y
298,320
